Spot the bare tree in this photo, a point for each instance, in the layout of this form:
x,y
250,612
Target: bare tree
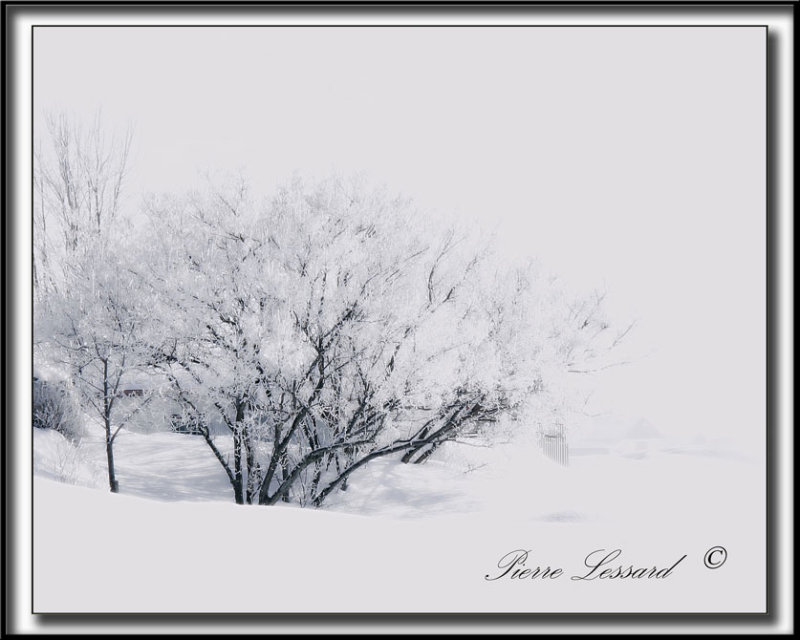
x,y
79,179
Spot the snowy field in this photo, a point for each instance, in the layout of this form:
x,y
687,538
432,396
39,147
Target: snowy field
x,y
178,540
605,476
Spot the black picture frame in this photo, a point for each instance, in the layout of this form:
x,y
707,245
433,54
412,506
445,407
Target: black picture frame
x,y
17,509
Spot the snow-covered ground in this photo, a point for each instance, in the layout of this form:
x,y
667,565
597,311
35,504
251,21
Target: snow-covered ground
x,y
403,537
607,471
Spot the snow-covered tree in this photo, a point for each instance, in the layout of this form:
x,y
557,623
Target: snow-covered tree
x,y
93,332
334,324
88,317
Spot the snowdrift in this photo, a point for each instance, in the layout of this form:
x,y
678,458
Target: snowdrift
x,y
403,538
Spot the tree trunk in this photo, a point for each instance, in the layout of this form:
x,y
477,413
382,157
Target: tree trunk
x,y
427,454
253,469
238,494
316,478
237,488
112,478
284,463
238,484
413,450
343,485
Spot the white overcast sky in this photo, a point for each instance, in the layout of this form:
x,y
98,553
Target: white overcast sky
x,y
631,158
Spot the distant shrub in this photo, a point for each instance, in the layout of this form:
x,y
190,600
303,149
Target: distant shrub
x,y
54,408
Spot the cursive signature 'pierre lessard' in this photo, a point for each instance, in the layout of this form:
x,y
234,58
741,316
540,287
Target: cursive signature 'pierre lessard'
x,y
598,565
